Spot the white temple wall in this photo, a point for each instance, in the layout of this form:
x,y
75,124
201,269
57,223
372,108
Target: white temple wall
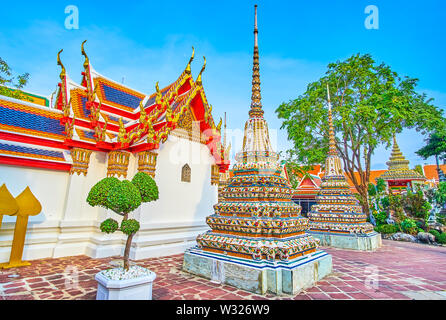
x,y
69,226
50,187
172,223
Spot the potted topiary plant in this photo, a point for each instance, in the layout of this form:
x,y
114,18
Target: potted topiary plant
x,y
123,197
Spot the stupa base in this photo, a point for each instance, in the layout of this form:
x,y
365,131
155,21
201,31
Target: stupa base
x,y
364,242
277,277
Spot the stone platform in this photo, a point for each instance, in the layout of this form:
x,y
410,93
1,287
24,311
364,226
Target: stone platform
x,y
363,242
260,276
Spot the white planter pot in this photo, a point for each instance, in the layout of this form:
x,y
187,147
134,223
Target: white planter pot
x,y
130,289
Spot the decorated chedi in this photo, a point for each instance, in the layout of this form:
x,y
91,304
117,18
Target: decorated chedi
x,y
337,218
258,240
399,177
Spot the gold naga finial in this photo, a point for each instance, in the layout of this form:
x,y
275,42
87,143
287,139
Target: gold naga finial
x,y
143,113
150,132
219,125
198,81
87,61
188,71
159,95
69,128
122,132
59,62
66,108
92,95
208,113
169,112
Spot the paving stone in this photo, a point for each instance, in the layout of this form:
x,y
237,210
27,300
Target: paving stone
x,y
404,271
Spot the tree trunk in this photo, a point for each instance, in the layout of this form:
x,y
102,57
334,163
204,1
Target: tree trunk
x,y
127,251
364,199
127,247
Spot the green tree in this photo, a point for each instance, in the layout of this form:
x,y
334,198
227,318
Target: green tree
x,y
11,86
436,146
370,104
440,194
123,197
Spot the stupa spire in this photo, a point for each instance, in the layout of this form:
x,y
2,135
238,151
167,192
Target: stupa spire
x,y
256,98
332,142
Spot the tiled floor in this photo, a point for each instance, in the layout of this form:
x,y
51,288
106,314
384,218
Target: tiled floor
x,y
398,270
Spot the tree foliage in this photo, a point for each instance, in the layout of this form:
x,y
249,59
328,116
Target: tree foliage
x,y
99,193
370,104
123,198
435,146
147,187
440,194
10,85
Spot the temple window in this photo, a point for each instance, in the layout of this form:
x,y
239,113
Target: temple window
x,y
185,173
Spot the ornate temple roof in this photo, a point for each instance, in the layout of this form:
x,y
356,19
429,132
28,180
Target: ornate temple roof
x,y
398,167
103,115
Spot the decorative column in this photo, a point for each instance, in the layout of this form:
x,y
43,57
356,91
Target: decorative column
x,y
81,160
147,162
215,174
118,162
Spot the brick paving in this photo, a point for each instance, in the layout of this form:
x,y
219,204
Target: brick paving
x,y
398,270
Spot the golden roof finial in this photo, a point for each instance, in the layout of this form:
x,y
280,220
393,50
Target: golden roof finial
x,y
188,70
198,81
159,95
87,61
59,62
331,134
256,97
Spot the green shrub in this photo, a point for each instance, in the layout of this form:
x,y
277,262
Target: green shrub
x,y
146,186
415,204
109,226
124,197
435,233
387,228
380,217
99,193
442,238
130,226
409,226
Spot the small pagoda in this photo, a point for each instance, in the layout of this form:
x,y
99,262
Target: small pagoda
x,y
258,240
337,219
398,176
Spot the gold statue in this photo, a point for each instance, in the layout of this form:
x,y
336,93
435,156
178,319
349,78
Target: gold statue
x,y
69,126
122,133
151,133
159,95
66,109
143,114
28,205
208,113
8,205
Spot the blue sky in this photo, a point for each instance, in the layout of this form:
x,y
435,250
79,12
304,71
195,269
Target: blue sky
x,y
148,41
